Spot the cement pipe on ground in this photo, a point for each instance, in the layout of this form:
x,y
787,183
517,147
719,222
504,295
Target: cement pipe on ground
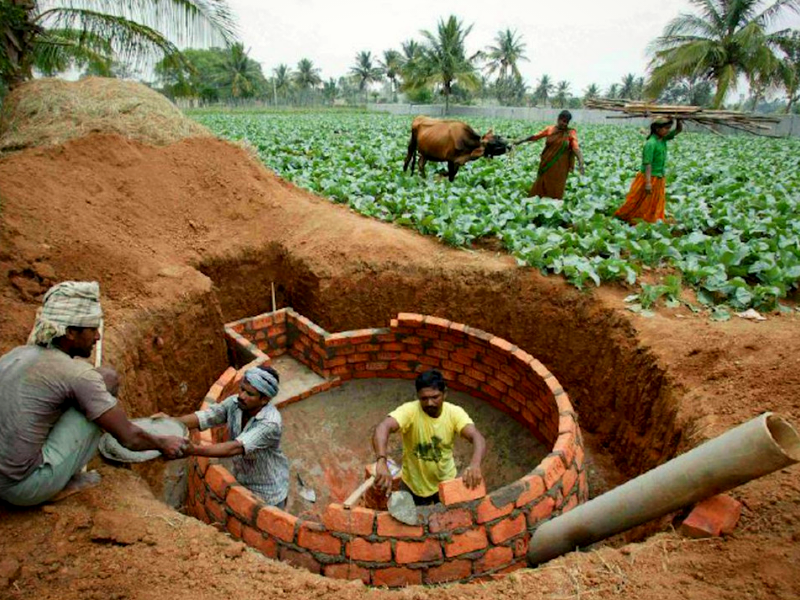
x,y
751,450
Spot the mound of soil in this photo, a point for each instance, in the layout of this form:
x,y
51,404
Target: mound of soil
x,y
185,237
45,112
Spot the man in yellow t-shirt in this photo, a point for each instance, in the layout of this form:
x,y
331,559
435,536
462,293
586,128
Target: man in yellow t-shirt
x,y
429,426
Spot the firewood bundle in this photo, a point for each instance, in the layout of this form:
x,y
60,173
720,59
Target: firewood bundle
x,y
710,119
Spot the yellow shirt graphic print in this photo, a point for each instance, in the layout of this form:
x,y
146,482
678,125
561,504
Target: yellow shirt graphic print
x,y
428,444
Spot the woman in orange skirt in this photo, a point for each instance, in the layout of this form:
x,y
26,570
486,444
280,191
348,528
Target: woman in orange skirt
x,y
646,198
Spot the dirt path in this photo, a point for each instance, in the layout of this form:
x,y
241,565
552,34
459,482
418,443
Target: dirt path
x,y
186,237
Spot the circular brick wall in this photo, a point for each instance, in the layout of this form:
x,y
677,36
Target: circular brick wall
x,y
470,534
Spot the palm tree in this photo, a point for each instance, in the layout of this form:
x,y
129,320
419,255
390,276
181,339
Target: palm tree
x,y
591,93
306,78
504,56
392,65
728,39
365,72
238,73
281,81
791,75
443,60
330,90
42,34
562,94
628,87
543,89
613,91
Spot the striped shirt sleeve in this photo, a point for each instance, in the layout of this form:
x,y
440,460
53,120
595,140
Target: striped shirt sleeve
x,y
267,434
217,414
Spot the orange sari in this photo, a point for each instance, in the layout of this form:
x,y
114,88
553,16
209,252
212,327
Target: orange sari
x,y
557,160
642,206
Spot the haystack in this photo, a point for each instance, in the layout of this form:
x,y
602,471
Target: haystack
x,y
47,112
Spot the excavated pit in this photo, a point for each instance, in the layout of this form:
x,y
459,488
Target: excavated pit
x,y
618,390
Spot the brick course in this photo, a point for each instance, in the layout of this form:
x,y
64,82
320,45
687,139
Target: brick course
x,y
471,539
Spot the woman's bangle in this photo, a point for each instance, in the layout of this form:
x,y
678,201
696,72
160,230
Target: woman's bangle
x,y
382,456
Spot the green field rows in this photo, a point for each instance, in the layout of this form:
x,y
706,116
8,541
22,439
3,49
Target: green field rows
x,y
735,201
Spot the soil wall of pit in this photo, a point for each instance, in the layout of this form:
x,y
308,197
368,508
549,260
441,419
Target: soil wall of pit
x,y
617,387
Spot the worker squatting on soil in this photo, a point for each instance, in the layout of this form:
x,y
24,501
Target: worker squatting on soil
x,y
254,434
53,408
428,426
558,157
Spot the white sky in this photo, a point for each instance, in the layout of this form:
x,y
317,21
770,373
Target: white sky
x,y
582,41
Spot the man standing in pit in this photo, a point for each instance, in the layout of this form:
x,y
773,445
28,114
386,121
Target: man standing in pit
x,y
54,407
254,435
429,426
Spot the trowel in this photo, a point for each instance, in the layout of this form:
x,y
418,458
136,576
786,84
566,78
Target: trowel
x,y
306,493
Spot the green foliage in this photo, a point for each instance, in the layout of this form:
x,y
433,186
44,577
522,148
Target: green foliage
x,y
735,201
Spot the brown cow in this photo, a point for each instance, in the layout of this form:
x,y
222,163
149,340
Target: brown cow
x,y
453,142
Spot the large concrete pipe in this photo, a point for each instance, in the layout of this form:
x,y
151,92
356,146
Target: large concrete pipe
x,y
751,450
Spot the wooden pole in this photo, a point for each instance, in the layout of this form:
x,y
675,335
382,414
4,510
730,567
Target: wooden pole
x,y
353,498
272,284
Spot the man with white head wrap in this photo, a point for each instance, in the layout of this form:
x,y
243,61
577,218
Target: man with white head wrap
x,y
54,408
254,435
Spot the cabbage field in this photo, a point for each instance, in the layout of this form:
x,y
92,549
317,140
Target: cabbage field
x,y
733,202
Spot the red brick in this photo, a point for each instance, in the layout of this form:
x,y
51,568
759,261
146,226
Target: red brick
x,y
243,503
266,545
566,445
234,527
568,480
304,560
469,382
553,470
534,489
314,537
361,549
388,526
452,366
463,359
202,464
335,362
276,522
541,511
712,517
494,558
396,577
454,491
358,358
449,520
216,511
583,487
410,319
571,503
449,571
219,480
507,528
469,541
356,520
487,511
415,552
377,366
347,571
521,546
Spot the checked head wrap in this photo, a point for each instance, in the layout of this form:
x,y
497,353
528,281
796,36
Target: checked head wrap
x,y
67,304
263,381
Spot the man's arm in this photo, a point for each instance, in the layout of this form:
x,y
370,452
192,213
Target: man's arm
x,y
223,450
380,441
132,437
472,474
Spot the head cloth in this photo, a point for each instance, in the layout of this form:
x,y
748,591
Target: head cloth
x,y
263,381
67,304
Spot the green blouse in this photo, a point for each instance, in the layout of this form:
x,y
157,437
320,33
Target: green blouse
x,y
654,153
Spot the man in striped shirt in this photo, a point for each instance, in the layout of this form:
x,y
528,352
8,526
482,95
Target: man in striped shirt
x,y
254,434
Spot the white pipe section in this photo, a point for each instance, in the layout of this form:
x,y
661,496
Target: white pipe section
x,y
751,450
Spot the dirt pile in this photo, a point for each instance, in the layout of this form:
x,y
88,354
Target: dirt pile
x,y
45,112
185,237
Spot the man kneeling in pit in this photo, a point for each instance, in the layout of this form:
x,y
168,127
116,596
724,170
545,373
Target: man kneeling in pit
x,y
254,434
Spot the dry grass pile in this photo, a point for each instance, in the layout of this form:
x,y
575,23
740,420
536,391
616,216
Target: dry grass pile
x,y
47,112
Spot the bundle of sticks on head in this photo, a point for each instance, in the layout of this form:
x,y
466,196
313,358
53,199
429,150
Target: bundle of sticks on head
x,y
707,118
